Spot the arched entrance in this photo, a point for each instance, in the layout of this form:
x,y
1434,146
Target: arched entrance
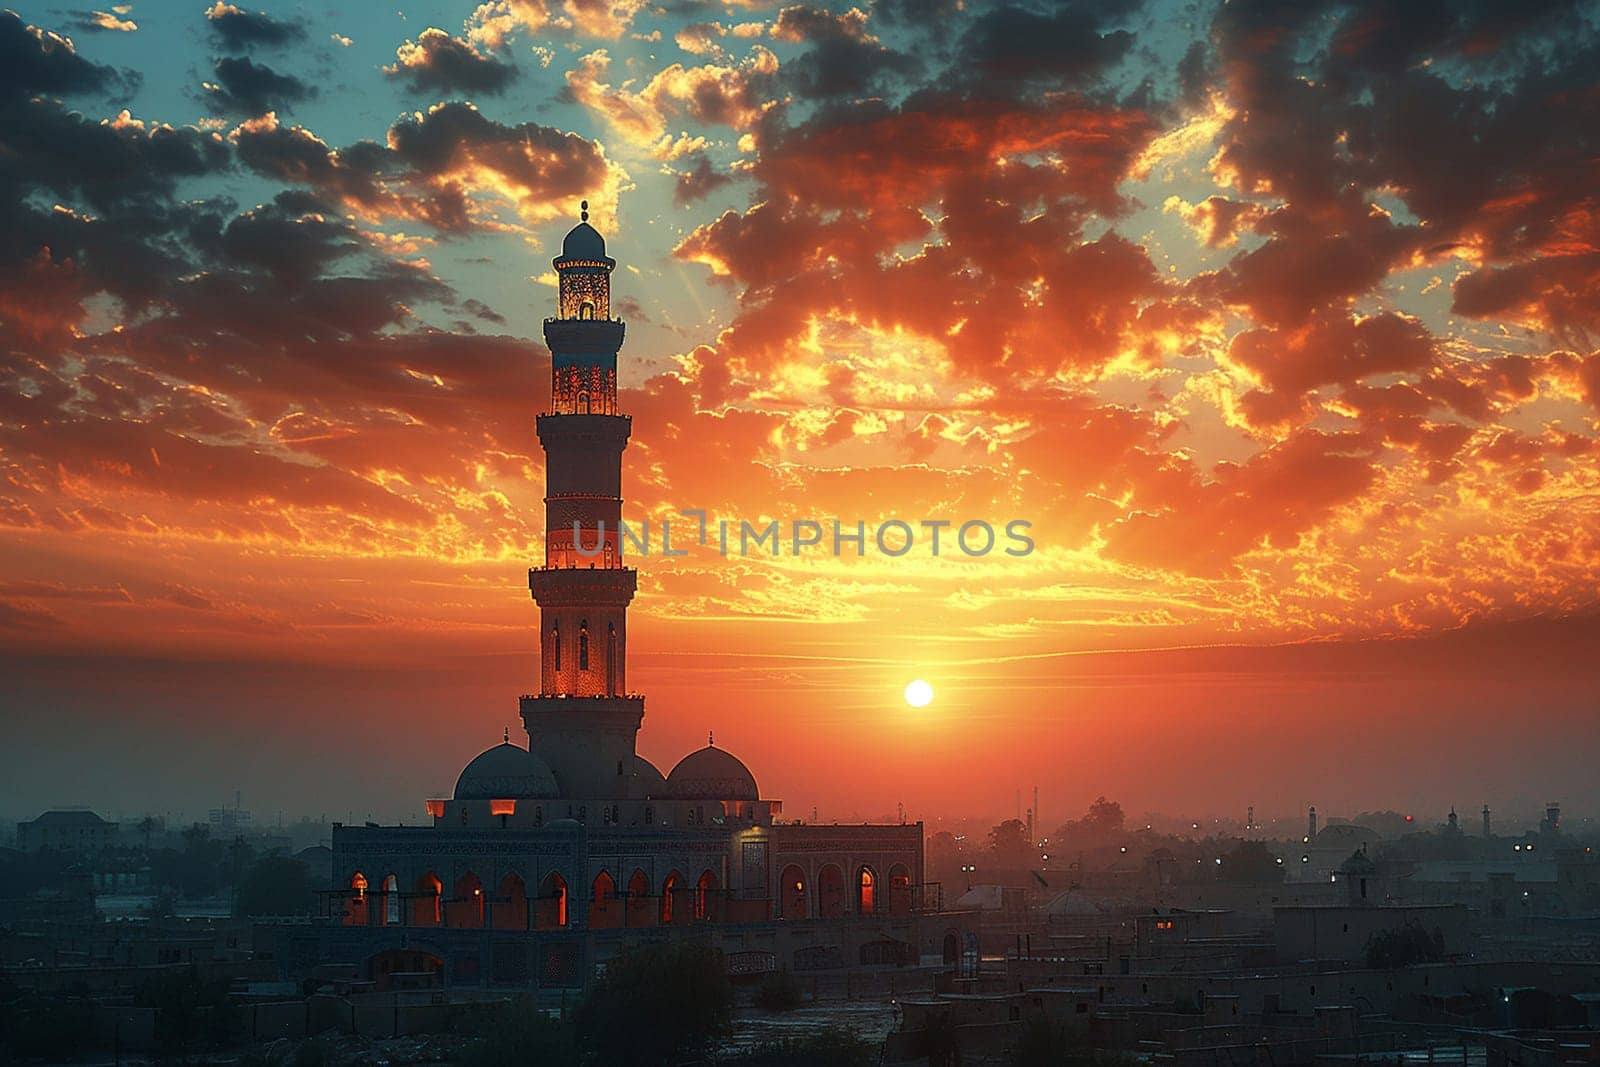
x,y
640,912
707,898
899,890
355,902
509,909
425,905
672,908
605,913
465,909
866,891
551,908
952,949
792,893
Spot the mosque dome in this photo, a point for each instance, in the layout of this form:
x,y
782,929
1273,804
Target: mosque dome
x,y
648,781
584,243
711,774
1358,864
506,772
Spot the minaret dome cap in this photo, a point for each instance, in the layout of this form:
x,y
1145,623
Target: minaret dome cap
x,y
583,243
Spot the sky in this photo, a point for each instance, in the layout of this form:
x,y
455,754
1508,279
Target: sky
x,y
1275,321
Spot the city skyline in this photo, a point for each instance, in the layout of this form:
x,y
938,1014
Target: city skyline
x,y
1308,451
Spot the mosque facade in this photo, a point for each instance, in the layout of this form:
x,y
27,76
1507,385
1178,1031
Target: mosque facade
x,y
548,859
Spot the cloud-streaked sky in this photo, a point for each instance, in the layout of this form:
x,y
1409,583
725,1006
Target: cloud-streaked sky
x,y
1276,320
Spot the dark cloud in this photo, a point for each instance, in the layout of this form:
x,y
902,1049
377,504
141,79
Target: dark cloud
x,y
33,60
423,170
1067,45
244,87
842,59
698,182
436,62
238,29
106,162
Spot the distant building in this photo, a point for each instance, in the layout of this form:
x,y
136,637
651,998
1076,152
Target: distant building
x,y
68,830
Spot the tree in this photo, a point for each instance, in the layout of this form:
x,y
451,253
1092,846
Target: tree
x,y
1100,825
275,885
657,1003
1250,863
1009,844
1104,818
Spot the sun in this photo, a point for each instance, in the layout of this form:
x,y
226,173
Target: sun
x,y
919,694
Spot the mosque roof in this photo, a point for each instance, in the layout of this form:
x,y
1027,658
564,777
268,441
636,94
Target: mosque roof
x,y
711,774
506,772
649,781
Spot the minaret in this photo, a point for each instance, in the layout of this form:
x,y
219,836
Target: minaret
x,y
1486,832
1311,823
582,721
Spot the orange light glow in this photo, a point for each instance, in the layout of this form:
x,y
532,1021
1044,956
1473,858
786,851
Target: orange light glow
x,y
502,807
436,808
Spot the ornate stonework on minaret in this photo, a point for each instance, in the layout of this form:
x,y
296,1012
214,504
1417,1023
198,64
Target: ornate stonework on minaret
x,y
583,721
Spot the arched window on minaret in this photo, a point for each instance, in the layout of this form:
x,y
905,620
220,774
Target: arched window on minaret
x,y
586,310
583,403
611,660
555,636
583,645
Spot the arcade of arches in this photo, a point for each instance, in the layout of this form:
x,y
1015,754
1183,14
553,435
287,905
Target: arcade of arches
x,y
470,905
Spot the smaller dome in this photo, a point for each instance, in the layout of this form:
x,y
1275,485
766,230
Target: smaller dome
x,y
711,774
583,242
647,780
1358,864
506,772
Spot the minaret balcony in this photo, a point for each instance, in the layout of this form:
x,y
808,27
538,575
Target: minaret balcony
x,y
578,586
583,335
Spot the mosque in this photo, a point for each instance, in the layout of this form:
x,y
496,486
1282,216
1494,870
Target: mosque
x,y
548,859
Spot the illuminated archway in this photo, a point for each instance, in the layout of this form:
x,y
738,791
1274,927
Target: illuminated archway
x,y
551,910
830,892
899,890
604,911
510,906
866,891
465,910
792,893
425,906
355,903
671,909
707,899
640,913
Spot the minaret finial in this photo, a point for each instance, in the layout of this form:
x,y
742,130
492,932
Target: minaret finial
x,y
711,739
583,211
505,735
